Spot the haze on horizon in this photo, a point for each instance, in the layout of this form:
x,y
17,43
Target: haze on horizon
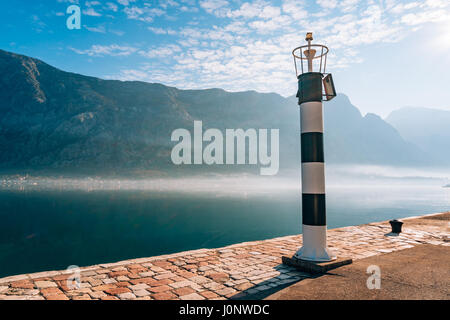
x,y
384,54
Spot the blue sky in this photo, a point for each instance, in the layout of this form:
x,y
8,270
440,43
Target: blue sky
x,y
384,54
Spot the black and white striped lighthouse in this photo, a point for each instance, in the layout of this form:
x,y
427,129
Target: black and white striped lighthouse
x,y
313,87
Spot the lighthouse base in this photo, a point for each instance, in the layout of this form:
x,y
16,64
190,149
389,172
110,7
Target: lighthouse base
x,y
314,267
315,245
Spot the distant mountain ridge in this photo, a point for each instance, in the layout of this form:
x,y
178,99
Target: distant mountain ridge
x,y
428,128
52,119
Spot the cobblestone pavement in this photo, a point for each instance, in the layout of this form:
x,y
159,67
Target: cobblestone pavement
x,y
230,272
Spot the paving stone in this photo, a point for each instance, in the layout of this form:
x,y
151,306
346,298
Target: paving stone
x,y
126,296
219,276
122,284
44,274
95,282
184,291
157,269
199,279
118,273
35,298
159,288
244,286
192,296
116,291
226,291
167,295
141,293
45,284
109,298
120,268
82,297
97,294
213,286
180,284
13,297
14,278
109,281
26,284
146,274
164,276
144,298
88,273
51,291
103,287
102,271
139,286
57,297
208,294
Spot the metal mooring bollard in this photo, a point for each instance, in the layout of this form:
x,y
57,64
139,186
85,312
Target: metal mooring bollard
x,y
396,226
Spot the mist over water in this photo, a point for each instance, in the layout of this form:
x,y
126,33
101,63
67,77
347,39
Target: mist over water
x,y
51,223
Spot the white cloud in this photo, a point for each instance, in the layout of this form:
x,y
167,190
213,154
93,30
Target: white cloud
x,y
266,26
38,24
402,7
168,3
161,51
347,6
214,6
234,51
91,12
91,3
117,32
188,9
437,3
100,29
134,12
248,10
295,9
270,12
111,50
112,6
327,4
125,2
146,13
167,31
157,30
413,19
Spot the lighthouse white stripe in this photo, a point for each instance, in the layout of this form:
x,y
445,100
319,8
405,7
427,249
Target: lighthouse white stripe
x,y
315,244
311,117
313,177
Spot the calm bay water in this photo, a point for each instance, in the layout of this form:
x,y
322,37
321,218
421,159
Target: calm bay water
x,y
50,229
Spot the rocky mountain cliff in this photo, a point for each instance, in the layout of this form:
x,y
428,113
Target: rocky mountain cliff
x,y
56,120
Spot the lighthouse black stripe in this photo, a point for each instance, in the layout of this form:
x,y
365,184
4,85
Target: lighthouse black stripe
x,y
312,147
313,209
309,87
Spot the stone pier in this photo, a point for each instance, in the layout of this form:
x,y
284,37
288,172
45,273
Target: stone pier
x,y
233,272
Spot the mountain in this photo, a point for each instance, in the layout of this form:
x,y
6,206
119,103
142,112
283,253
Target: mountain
x,y
428,128
353,138
56,120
